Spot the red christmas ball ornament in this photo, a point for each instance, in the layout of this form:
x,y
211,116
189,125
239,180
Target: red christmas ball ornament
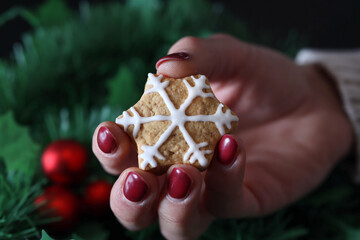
x,y
64,161
57,201
97,198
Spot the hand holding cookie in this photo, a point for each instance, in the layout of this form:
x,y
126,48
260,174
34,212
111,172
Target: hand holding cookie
x,y
290,122
176,121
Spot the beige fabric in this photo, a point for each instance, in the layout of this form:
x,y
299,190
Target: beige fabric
x,y
345,68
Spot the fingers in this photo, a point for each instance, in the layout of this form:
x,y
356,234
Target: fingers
x,y
218,57
181,212
225,194
134,198
113,148
224,177
139,197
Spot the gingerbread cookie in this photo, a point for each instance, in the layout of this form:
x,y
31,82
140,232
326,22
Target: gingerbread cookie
x,y
176,121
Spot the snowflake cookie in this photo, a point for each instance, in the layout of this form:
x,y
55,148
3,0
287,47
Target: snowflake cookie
x,y
176,121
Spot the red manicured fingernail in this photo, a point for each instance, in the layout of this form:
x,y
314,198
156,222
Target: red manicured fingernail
x,y
134,188
105,140
179,183
227,149
173,57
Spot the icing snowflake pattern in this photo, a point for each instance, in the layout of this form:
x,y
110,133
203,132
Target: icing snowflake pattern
x,y
178,118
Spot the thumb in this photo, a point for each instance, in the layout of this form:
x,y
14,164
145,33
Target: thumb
x,y
218,57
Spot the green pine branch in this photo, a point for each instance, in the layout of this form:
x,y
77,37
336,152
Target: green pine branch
x,y
18,219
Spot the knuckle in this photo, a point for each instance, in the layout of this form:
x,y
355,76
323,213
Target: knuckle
x,y
171,219
175,232
178,226
224,36
188,42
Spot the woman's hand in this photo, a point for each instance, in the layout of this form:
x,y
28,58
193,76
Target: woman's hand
x,y
291,126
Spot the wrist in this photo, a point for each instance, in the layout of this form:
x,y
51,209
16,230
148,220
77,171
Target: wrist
x,y
326,98
323,90
328,79
323,84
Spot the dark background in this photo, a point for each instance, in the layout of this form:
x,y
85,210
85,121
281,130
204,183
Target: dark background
x,y
326,24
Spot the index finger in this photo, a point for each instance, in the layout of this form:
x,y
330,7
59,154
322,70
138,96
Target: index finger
x,y
218,57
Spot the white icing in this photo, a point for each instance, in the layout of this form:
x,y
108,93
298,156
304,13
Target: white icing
x,y
178,118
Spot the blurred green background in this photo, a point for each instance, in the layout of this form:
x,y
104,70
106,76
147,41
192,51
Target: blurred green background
x,y
66,66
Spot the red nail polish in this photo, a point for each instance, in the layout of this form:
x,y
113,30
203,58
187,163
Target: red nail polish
x,y
134,188
105,140
173,57
227,149
179,183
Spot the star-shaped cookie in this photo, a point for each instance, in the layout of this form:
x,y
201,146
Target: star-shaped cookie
x,y
176,121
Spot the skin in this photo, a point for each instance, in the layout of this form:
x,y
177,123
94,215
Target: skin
x,y
292,128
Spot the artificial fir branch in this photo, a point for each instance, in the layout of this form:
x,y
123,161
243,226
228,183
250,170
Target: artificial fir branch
x,y
17,212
